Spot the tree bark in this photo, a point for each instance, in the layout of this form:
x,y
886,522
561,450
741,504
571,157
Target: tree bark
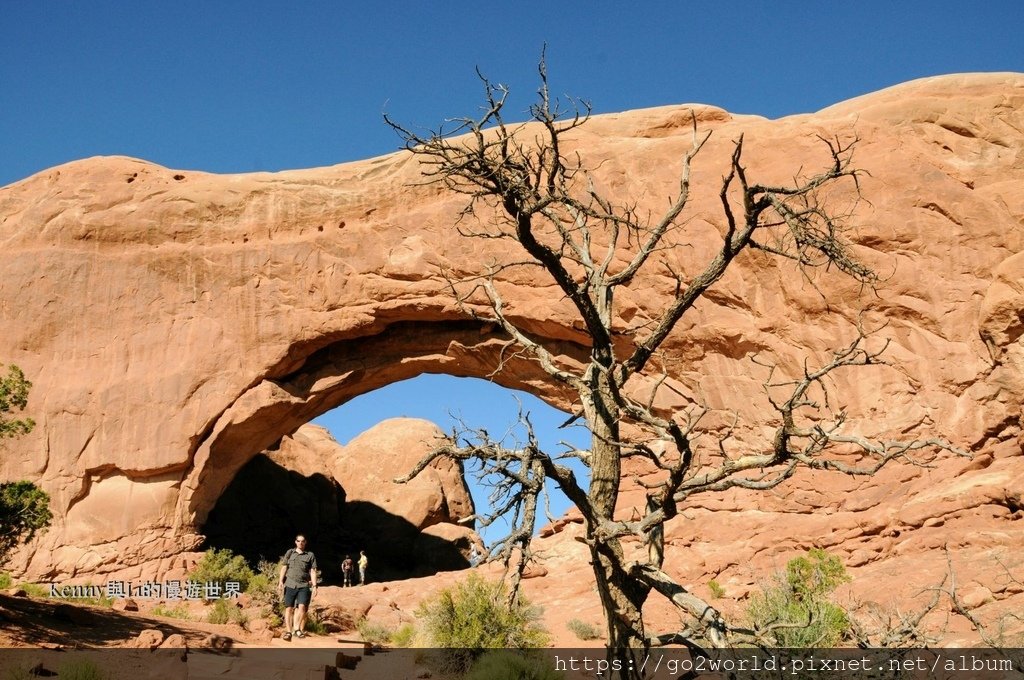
x,y
622,596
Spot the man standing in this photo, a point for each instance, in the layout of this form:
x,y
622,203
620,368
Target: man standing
x,y
346,571
297,585
362,567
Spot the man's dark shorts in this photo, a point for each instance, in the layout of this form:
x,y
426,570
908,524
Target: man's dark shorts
x,y
297,596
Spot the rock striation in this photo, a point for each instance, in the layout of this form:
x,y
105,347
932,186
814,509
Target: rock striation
x,y
177,323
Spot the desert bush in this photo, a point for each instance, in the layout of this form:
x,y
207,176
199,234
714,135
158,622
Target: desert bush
x,y
314,626
34,589
717,591
816,574
405,636
219,613
178,612
221,566
24,507
5,581
262,586
463,621
373,633
225,611
24,512
799,601
473,615
583,630
272,616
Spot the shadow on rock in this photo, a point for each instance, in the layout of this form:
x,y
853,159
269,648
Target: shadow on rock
x,y
266,505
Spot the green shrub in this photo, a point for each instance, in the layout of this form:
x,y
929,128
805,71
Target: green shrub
x,y
225,611
24,512
262,587
373,633
178,612
14,396
583,630
5,581
79,670
219,614
816,574
717,591
24,507
473,616
405,636
34,589
506,665
314,625
462,622
221,566
272,616
800,599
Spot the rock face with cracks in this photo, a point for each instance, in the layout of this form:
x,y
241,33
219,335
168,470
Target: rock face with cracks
x,y
177,323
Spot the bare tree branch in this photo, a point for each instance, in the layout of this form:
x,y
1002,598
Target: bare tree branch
x,y
713,625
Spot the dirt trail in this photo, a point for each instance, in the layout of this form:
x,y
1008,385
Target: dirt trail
x,y
41,633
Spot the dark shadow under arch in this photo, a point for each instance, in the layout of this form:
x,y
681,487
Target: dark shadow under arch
x,y
266,505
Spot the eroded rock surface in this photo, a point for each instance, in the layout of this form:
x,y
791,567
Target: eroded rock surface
x,y
437,495
176,323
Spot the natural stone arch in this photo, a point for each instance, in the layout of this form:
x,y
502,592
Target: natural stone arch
x,y
341,371
165,316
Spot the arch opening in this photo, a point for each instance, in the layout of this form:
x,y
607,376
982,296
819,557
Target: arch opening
x,y
452,403
316,505
269,490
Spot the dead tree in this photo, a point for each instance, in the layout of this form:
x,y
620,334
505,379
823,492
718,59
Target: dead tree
x,y
903,632
530,191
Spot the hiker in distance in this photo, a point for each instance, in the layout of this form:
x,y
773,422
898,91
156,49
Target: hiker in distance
x,y
297,586
346,571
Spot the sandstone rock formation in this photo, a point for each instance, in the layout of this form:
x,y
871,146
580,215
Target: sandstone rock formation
x,y
438,495
176,323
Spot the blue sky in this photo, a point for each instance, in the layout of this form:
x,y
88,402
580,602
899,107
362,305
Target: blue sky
x,y
235,87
